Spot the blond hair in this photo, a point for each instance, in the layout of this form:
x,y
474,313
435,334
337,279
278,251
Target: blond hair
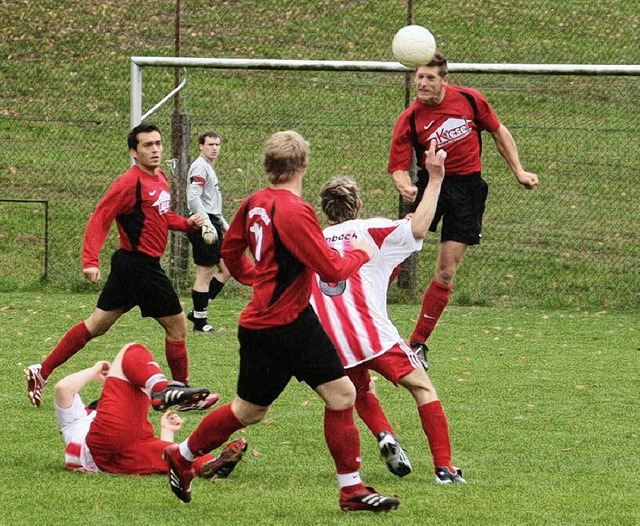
x,y
340,200
285,154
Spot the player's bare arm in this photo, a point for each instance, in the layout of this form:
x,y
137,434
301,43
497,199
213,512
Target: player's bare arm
x,y
66,389
402,182
423,216
506,146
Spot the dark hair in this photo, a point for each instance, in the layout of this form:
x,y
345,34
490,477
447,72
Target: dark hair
x,y
211,133
144,127
439,61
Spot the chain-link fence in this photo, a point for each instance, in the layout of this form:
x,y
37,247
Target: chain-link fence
x,y
573,242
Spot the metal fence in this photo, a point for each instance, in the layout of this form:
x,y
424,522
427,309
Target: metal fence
x,y
574,242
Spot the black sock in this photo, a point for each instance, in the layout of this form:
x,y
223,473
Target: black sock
x,y
200,300
215,287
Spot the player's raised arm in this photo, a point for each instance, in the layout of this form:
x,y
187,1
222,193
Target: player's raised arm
x,y
423,216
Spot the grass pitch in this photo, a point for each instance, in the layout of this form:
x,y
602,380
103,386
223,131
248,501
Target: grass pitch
x,y
542,409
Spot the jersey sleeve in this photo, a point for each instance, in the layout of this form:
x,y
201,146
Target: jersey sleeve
x,y
400,152
394,239
302,235
179,223
233,250
197,178
486,118
118,200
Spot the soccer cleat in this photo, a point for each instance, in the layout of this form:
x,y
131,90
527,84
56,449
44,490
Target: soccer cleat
x,y
421,350
222,466
201,324
180,472
35,384
200,405
369,500
446,476
392,453
176,393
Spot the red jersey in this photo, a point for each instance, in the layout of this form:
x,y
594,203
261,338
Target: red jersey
x,y
140,203
288,247
455,124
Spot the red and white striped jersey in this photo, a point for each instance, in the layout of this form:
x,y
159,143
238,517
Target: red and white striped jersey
x,y
74,423
354,312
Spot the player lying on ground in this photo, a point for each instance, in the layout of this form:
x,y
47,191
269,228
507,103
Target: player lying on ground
x,y
115,434
354,314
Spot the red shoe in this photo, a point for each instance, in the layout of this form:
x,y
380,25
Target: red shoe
x,y
200,405
369,500
222,466
180,472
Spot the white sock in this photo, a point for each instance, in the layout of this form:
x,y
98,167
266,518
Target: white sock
x,y
186,452
349,479
153,380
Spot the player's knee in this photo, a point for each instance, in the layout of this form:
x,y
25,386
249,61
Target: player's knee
x,y
248,414
341,395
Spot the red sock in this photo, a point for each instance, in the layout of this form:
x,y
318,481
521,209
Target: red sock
x,y
214,430
370,411
178,360
74,340
434,301
138,365
436,427
343,439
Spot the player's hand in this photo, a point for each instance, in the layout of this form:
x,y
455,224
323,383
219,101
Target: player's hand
x,y
209,234
171,421
364,246
434,162
527,179
92,274
101,370
196,220
408,194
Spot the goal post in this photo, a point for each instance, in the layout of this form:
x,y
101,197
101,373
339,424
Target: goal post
x,y
407,278
138,62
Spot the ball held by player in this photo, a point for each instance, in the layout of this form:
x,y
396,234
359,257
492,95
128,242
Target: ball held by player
x,y
209,234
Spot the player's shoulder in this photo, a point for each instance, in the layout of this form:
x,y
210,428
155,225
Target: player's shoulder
x,y
377,222
416,105
127,178
200,164
465,91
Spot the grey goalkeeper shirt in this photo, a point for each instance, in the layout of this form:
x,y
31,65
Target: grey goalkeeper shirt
x,y
204,196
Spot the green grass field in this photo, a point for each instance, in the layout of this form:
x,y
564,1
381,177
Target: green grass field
x,y
536,359
542,407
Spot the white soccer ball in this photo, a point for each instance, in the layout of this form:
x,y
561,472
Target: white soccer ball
x,y
413,46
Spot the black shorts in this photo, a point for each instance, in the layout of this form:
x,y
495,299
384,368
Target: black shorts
x,y
138,279
203,254
460,206
270,357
